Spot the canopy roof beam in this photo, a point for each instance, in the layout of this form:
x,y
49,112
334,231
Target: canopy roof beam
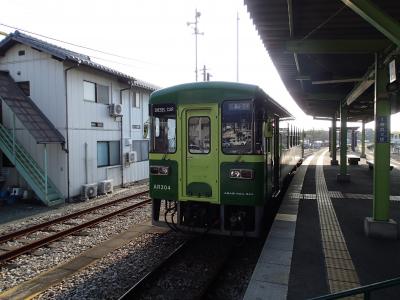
x,y
324,97
387,25
335,46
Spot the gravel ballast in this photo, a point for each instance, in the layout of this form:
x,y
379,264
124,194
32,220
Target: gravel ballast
x,y
27,266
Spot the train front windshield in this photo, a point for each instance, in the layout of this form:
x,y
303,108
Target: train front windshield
x,y
163,128
237,127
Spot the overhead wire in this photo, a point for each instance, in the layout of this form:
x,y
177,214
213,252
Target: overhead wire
x,y
74,44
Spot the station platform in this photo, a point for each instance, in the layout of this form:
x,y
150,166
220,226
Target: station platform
x,y
317,244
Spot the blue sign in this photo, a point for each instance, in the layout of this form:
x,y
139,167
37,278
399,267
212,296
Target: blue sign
x,y
382,130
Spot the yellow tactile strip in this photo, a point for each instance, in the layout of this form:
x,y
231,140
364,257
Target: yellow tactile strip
x,y
340,270
340,195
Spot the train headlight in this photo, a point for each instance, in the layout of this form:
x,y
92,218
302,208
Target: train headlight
x,y
235,174
159,170
241,173
163,170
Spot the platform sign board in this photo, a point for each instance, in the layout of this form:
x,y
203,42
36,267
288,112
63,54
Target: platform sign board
x,y
382,130
392,71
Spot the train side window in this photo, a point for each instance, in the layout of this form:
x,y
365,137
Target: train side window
x,y
199,132
284,133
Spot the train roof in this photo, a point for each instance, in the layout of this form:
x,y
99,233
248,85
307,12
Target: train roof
x,y
216,91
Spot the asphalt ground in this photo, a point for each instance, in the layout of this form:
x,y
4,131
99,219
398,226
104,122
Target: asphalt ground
x,y
20,209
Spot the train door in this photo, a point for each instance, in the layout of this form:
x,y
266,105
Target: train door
x,y
200,152
269,162
276,169
271,159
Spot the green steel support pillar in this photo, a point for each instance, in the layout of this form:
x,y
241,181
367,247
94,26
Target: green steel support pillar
x,y
343,176
382,145
334,161
363,140
380,225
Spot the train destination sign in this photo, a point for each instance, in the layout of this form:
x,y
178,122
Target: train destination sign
x,y
163,109
382,130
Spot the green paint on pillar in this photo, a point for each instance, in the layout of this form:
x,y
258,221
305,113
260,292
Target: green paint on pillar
x,y
363,139
382,143
343,140
334,160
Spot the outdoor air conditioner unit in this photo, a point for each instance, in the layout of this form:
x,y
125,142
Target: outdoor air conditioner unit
x,y
131,157
89,191
115,110
106,186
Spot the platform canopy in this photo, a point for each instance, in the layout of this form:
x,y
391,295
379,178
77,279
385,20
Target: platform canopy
x,y
324,50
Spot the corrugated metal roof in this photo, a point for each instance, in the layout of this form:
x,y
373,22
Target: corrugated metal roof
x,y
279,22
27,112
67,55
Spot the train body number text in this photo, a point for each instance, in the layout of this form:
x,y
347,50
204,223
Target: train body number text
x,y
162,187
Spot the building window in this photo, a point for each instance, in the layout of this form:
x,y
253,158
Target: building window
x,y
142,149
108,153
21,52
102,95
6,162
136,100
96,92
25,87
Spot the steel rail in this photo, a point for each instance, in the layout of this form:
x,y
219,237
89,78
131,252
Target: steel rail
x,y
34,228
46,240
138,286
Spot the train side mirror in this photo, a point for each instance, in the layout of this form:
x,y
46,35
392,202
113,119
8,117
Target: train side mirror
x,y
267,129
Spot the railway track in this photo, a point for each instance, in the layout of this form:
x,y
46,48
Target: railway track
x,y
46,227
187,273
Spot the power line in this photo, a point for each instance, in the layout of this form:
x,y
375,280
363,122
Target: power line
x,y
76,45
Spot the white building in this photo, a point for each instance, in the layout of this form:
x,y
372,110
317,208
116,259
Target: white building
x,y
69,118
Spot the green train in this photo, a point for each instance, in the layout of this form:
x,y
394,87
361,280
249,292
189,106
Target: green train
x,y
219,154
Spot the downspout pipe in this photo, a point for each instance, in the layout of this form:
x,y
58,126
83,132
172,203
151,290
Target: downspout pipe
x,y
67,125
131,83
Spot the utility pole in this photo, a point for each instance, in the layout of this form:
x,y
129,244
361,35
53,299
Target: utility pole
x,y
196,33
206,75
237,47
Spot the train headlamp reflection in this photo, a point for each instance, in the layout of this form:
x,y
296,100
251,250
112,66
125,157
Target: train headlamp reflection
x,y
241,174
235,173
159,170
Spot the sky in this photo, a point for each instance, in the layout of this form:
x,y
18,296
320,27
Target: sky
x,y
152,41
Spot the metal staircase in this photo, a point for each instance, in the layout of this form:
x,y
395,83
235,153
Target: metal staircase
x,y
37,179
